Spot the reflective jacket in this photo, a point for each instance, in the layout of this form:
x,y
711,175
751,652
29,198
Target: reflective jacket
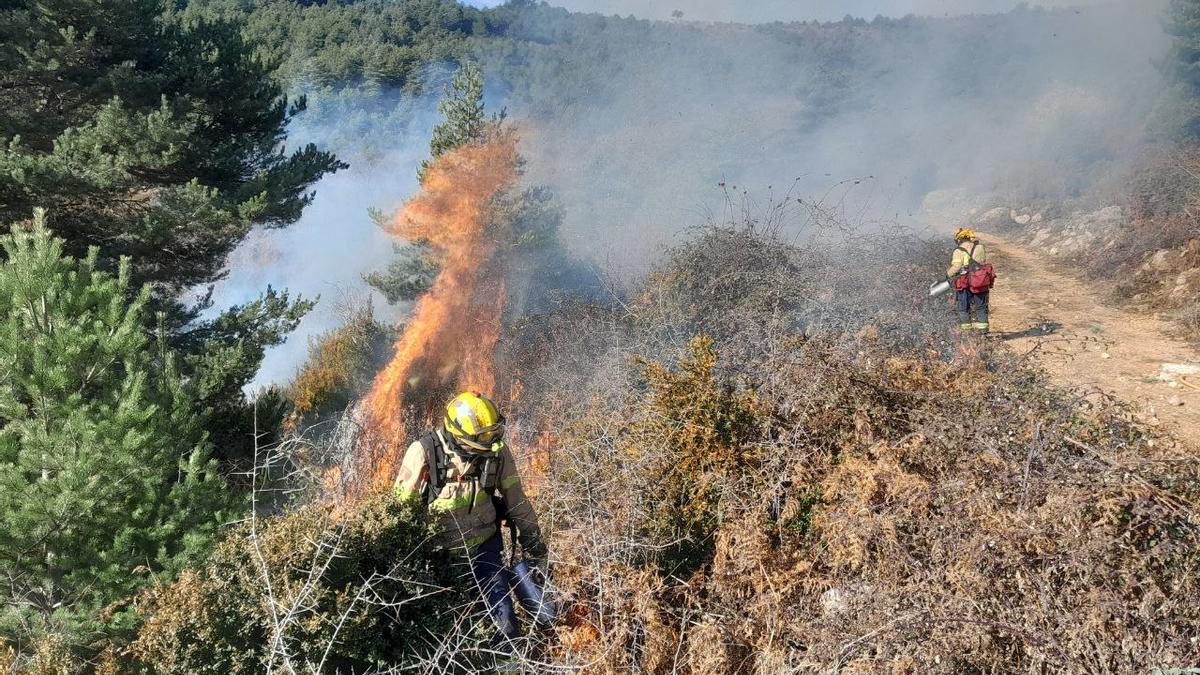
x,y
959,260
465,513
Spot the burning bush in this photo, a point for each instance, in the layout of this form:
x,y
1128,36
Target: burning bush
x,y
854,490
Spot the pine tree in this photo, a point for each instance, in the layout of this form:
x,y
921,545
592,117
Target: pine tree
x,y
105,478
464,121
158,134
1182,66
461,107
146,133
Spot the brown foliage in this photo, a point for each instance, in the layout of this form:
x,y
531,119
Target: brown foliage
x,y
867,505
340,365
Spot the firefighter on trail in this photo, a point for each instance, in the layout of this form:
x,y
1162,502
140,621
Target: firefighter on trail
x,y
467,477
972,277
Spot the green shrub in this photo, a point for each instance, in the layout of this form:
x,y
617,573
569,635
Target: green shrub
x,y
106,480
318,588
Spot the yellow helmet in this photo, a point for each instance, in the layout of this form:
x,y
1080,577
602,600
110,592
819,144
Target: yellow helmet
x,y
964,233
474,422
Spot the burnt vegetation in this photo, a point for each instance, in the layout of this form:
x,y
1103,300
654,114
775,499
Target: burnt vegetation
x,y
745,466
767,454
864,493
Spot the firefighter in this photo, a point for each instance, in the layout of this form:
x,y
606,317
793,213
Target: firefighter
x,y
969,255
466,476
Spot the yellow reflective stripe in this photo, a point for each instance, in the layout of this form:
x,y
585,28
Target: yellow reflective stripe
x,y
475,541
404,494
444,504
509,482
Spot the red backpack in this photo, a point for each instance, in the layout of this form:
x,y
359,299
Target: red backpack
x,y
980,277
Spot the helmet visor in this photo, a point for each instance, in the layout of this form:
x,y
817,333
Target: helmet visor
x,y
492,434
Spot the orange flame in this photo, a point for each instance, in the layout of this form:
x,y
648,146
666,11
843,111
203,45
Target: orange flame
x,y
449,343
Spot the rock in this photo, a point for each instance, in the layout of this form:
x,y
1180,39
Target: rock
x,y
1037,218
1112,215
832,601
1023,220
1175,400
1041,236
997,216
1106,355
1172,370
1161,260
1186,285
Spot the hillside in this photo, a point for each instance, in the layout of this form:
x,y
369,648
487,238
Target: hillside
x,y
256,246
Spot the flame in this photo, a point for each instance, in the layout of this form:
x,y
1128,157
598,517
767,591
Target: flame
x,y
449,343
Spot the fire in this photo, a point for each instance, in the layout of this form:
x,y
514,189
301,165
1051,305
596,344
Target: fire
x,y
449,342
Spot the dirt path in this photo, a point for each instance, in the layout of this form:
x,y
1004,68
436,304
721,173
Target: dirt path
x,y
1089,344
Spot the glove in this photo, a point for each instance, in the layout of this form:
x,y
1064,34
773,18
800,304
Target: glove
x,y
535,550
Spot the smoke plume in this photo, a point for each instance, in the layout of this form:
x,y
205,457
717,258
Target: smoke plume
x,y
1042,104
642,129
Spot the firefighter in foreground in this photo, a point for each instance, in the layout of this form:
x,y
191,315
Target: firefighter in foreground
x,y
467,477
972,277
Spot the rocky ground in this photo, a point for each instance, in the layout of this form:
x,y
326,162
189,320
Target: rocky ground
x,y
1091,345
1089,295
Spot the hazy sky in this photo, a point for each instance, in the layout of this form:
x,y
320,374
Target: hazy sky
x,y
757,11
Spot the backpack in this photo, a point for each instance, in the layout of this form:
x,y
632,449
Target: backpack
x,y
979,278
485,469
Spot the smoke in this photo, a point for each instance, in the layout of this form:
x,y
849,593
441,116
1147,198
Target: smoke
x,y
384,137
641,129
872,117
764,11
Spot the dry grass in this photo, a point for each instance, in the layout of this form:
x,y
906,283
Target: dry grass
x,y
886,500
762,461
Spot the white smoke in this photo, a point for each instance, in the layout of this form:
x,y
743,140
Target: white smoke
x,y
763,11
383,137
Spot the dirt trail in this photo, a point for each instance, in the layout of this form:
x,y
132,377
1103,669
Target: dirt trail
x,y
1087,343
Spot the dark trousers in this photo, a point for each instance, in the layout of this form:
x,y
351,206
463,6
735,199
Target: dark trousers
x,y
967,302
497,583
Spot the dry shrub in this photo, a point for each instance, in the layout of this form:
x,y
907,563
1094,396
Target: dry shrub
x,y
710,429
317,588
1163,203
888,500
340,366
